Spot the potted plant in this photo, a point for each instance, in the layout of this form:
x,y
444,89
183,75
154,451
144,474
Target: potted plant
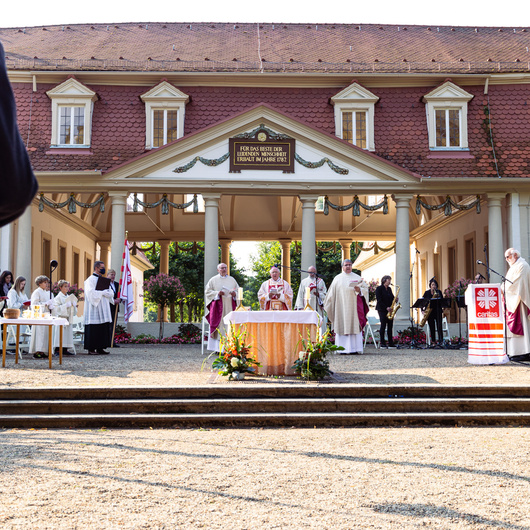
x,y
163,290
457,290
312,363
233,359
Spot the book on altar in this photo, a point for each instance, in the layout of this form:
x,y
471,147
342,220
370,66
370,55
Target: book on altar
x,y
103,283
72,298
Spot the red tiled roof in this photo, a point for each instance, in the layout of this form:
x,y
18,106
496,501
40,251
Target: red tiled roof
x,y
400,125
211,47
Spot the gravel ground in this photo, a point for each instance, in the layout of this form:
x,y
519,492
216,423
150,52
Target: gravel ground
x,y
168,365
389,478
265,478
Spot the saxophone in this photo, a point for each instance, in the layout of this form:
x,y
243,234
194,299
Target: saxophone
x,y
428,311
394,307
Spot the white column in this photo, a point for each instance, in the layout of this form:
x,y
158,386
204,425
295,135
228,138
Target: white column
x,y
496,246
6,248
286,259
225,253
24,254
308,232
211,234
345,246
117,237
514,221
403,253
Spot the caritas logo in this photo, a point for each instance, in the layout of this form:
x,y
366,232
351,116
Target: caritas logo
x,y
487,302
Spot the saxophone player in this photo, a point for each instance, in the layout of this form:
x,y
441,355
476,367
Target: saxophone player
x,y
385,297
435,316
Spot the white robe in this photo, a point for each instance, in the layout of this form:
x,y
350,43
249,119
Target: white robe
x,y
518,298
316,303
39,334
15,301
283,289
60,310
341,307
97,303
211,293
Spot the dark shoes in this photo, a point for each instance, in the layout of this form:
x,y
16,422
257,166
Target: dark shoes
x,y
39,355
519,358
101,351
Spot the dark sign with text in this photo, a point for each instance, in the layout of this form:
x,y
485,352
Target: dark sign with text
x,y
262,153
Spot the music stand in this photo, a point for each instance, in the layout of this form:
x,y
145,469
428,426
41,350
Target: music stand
x,y
460,303
438,305
420,303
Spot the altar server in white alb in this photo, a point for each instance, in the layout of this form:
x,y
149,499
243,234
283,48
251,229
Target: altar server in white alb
x,y
347,306
98,318
275,293
317,295
517,296
39,334
220,299
65,307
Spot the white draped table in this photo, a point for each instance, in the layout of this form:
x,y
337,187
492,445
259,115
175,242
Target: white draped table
x,y
275,336
50,322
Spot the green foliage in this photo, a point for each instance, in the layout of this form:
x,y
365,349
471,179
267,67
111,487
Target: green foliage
x,y
312,362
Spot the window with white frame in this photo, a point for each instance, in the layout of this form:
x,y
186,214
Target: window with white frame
x,y
130,202
165,107
446,108
165,126
354,127
319,205
72,108
374,200
354,116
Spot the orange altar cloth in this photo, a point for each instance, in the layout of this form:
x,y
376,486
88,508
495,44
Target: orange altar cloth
x,y
275,336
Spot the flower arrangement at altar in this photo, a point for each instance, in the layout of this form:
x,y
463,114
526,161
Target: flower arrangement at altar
x,y
233,359
163,290
457,288
78,292
312,363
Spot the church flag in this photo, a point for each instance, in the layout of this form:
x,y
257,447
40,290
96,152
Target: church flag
x,y
126,286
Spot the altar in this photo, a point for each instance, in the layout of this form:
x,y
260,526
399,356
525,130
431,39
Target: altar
x,y
275,337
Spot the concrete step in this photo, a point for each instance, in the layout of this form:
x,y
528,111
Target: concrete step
x,y
259,405
261,420
265,406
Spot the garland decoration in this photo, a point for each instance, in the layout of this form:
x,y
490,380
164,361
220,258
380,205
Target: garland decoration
x,y
374,246
447,205
320,163
166,203
356,205
72,203
272,135
211,162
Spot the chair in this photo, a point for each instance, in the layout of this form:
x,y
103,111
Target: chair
x,y
205,333
78,329
445,331
369,331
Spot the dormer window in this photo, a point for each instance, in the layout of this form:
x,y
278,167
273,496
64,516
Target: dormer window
x,y
446,108
164,112
72,108
354,116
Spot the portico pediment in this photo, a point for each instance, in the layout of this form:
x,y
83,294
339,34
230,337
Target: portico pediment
x,y
201,160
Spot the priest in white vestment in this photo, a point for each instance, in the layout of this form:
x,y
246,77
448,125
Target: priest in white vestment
x,y
220,299
517,295
317,295
39,334
275,294
347,306
98,318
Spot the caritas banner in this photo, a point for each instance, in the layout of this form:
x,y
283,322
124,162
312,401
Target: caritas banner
x,y
486,324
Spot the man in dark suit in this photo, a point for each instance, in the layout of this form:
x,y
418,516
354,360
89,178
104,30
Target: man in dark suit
x,y
115,287
385,297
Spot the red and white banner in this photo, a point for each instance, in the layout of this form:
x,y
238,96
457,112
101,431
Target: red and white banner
x,y
486,324
126,285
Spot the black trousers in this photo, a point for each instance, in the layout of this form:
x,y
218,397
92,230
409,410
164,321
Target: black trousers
x,y
386,324
98,336
435,321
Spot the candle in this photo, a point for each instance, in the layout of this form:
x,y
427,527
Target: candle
x,y
240,294
307,293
